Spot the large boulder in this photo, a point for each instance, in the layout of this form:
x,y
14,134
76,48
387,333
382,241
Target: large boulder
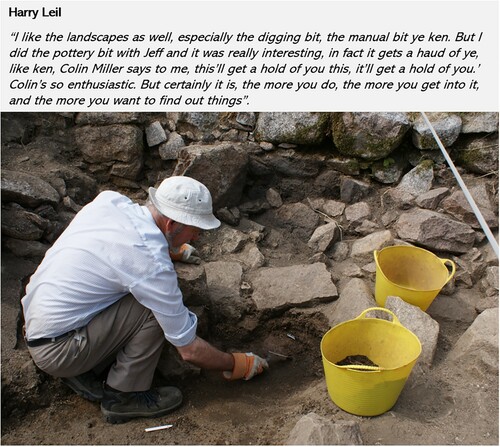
x,y
306,128
221,168
476,350
447,127
371,136
458,206
479,122
27,190
198,126
224,283
435,231
117,145
297,218
294,286
478,155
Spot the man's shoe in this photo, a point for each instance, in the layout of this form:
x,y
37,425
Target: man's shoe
x,y
118,406
86,385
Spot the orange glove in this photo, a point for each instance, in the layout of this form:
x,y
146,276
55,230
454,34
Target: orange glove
x,y
185,253
246,366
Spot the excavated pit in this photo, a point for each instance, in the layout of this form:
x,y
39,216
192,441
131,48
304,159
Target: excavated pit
x,y
39,410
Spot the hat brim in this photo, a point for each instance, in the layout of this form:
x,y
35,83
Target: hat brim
x,y
203,221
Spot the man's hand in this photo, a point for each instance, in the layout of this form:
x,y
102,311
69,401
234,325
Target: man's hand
x,y
246,366
185,253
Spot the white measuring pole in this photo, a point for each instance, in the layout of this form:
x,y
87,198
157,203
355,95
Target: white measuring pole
x,y
468,196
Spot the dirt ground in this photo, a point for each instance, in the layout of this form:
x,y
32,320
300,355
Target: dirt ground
x,y
435,409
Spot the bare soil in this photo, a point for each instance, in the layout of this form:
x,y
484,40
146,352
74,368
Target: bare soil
x,y
443,407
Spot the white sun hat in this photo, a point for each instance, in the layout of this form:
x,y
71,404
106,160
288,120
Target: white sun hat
x,y
186,201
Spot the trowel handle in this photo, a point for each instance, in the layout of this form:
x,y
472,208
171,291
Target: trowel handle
x,y
383,309
453,268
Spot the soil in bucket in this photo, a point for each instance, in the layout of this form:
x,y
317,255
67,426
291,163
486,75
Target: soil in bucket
x,y
356,360
367,390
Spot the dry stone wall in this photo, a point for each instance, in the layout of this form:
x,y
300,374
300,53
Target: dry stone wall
x,y
52,164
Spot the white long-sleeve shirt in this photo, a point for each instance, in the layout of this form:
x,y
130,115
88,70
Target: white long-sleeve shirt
x,y
111,248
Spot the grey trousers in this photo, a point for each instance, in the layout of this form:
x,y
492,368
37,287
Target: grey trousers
x,y
125,335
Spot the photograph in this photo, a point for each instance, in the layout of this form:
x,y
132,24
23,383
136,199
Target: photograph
x,y
249,278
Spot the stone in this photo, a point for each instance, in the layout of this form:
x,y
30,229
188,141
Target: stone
x,y
266,146
340,251
367,244
298,219
231,240
367,227
246,119
367,135
331,208
171,149
435,231
224,283
352,190
198,126
431,199
293,163
106,118
273,198
221,168
251,257
447,128
478,154
256,206
347,269
345,165
27,190
418,180
355,297
357,212
390,170
476,351
18,223
323,237
312,429
32,249
400,199
193,283
227,216
155,134
421,324
458,206
307,128
293,286
327,184
479,122
459,307
118,144
492,277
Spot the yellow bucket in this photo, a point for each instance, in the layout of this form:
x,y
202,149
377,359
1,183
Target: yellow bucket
x,y
414,274
368,390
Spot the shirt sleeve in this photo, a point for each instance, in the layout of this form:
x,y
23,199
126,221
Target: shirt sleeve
x,y
160,293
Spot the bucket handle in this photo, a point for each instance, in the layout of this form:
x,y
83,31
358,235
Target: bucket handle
x,y
453,268
383,309
361,367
